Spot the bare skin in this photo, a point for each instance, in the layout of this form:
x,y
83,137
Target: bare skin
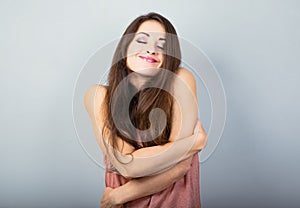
x,y
184,120
147,185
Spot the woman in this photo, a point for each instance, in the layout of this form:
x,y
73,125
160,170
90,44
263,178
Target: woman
x,y
145,168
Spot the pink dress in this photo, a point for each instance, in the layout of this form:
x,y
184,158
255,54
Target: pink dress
x,y
184,193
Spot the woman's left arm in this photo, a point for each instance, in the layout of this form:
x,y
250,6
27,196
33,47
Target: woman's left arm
x,y
141,187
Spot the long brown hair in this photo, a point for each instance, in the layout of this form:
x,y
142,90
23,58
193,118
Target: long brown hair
x,y
147,99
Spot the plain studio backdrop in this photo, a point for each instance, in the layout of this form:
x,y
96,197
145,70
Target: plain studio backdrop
x,y
254,45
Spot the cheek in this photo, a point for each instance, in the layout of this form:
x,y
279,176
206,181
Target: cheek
x,y
131,51
161,58
134,48
129,62
132,63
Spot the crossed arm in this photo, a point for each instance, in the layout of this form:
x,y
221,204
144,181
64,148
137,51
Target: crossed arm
x,y
138,188
183,144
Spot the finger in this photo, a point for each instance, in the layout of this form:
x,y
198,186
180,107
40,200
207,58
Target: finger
x,y
201,128
196,129
199,122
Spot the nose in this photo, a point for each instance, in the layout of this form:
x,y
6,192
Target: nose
x,y
151,48
151,52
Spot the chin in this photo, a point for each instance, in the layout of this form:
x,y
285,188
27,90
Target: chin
x,y
146,71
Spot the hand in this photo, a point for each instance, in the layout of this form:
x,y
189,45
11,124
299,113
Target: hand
x,y
201,137
107,200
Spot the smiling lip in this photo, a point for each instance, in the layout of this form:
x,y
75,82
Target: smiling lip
x,y
148,59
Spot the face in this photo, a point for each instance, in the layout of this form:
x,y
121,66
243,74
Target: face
x,y
146,50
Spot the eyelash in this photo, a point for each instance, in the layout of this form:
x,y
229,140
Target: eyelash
x,y
139,41
144,42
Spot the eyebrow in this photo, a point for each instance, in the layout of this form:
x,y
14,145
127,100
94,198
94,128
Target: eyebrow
x,y
149,35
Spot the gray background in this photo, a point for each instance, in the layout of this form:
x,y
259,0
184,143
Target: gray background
x,y
254,45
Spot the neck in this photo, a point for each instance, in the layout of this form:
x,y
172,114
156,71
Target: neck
x,y
138,80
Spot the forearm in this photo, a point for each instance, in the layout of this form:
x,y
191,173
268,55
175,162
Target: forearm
x,y
138,188
156,159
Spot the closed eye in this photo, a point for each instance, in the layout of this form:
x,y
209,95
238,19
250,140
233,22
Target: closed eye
x,y
140,41
161,46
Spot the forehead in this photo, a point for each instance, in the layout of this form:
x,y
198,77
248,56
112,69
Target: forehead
x,y
152,27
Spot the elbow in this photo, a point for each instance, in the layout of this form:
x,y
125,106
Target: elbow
x,y
128,172
131,174
127,167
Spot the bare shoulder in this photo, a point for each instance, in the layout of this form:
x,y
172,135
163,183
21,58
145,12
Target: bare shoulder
x,y
188,78
186,75
94,97
93,101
